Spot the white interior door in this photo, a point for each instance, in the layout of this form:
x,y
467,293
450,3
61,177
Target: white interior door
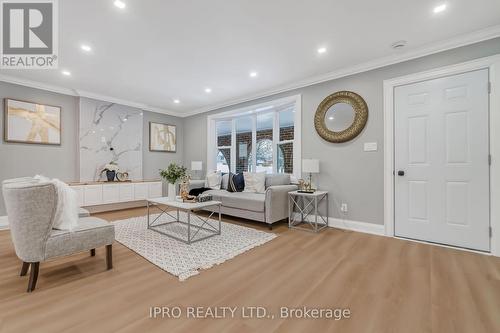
x,y
441,149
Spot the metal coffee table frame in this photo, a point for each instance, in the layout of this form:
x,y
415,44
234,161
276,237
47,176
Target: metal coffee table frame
x,y
213,231
307,203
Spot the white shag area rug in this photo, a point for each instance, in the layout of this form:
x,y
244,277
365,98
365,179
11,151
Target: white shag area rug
x,y
178,258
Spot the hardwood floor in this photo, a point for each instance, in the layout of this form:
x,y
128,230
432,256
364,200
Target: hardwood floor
x,y
389,285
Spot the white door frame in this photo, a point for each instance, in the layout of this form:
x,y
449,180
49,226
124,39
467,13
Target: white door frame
x,y
493,64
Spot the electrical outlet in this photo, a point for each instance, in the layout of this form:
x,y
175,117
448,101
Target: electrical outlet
x,y
343,208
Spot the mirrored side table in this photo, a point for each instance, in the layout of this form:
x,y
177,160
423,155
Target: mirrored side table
x,y
304,210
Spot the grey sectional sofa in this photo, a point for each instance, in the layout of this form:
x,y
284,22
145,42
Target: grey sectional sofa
x,y
268,207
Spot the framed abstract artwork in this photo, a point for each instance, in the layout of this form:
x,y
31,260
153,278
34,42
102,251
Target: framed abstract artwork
x,y
162,137
28,122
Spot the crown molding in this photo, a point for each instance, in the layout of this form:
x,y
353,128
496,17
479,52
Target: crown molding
x,y
455,42
145,107
83,93
428,49
37,85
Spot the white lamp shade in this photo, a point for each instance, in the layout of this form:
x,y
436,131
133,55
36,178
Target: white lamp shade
x,y
196,165
310,165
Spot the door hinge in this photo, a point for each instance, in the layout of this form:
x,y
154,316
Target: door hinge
x,y
489,87
489,159
491,232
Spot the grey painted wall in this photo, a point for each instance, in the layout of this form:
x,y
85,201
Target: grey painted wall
x,y
18,160
351,175
152,161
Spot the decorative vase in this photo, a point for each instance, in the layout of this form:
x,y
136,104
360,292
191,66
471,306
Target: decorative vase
x,y
184,190
110,175
171,192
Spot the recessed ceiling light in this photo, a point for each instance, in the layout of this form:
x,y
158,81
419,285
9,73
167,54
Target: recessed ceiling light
x,y
399,44
331,118
208,90
253,74
120,4
176,101
67,73
322,50
440,8
85,47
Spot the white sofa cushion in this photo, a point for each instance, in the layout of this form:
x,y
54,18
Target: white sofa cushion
x,y
255,182
240,200
273,179
214,180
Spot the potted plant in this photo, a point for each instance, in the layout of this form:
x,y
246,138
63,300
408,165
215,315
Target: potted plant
x,y
111,168
172,174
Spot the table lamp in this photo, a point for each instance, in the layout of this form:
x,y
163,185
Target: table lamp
x,y
196,166
310,166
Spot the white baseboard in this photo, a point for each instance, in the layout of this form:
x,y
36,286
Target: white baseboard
x,y
368,228
4,223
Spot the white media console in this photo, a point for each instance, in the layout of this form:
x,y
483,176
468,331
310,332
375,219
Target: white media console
x,y
102,193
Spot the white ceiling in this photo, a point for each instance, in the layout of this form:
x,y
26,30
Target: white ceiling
x,y
155,51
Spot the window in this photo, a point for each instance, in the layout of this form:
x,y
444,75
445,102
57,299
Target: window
x,y
264,140
286,119
286,140
260,138
222,160
244,129
264,155
285,157
224,139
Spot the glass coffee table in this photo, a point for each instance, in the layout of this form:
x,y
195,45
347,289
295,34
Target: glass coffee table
x,y
194,223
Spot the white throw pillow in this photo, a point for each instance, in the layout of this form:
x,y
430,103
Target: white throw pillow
x,y
66,216
255,182
260,182
214,180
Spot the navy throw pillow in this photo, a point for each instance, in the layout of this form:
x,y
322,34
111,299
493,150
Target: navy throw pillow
x,y
236,182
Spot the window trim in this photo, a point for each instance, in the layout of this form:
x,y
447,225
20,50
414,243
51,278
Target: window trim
x,y
254,110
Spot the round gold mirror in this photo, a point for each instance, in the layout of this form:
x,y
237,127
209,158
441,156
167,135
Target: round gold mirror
x,y
341,116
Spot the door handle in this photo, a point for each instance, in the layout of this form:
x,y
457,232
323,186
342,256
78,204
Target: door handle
x,y
401,173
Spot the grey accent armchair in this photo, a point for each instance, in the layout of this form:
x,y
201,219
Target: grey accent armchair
x,y
30,209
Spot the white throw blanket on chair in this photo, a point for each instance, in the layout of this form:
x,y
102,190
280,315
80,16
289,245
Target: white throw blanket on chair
x,y
66,216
